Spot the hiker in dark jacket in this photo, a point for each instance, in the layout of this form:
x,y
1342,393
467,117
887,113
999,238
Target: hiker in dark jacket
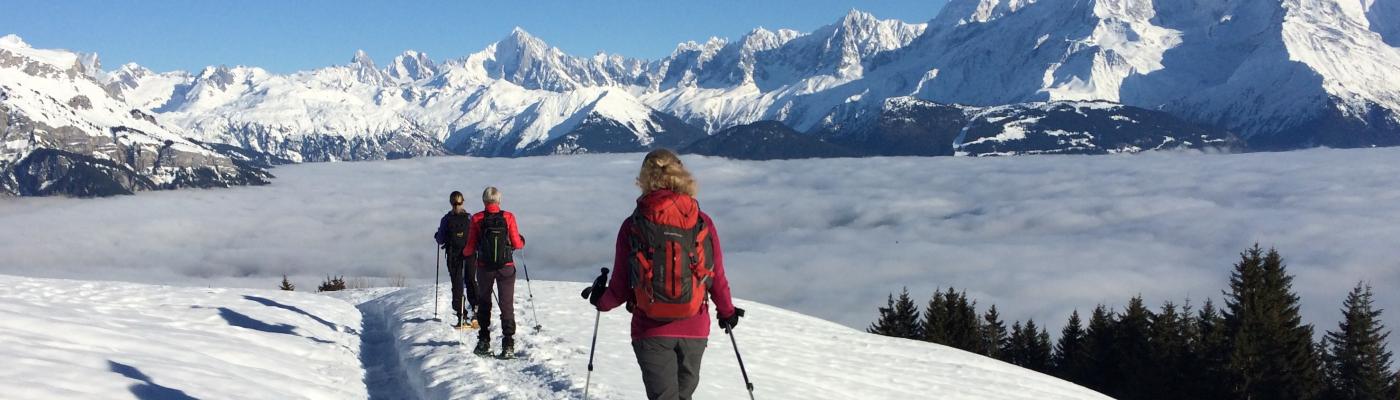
x,y
492,240
668,350
452,237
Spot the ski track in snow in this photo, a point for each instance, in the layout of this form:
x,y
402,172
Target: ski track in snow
x,y
441,365
384,374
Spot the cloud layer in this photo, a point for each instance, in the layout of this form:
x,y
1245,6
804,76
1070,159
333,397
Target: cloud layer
x,y
1038,236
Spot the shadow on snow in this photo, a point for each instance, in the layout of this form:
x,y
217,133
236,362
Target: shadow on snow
x,y
147,389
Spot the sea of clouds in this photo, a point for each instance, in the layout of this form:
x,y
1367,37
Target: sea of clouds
x,y
1037,236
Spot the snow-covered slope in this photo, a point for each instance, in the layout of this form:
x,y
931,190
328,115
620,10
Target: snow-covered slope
x,y
64,133
144,89
109,340
788,356
64,339
1283,74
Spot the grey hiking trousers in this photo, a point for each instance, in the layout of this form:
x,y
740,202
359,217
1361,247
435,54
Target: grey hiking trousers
x,y
670,366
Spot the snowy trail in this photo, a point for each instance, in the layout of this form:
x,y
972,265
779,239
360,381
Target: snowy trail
x,y
384,375
440,365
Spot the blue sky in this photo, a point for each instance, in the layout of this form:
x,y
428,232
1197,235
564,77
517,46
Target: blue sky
x,y
285,36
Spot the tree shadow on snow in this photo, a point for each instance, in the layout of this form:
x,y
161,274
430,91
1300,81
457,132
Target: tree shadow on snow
x,y
146,390
272,303
241,320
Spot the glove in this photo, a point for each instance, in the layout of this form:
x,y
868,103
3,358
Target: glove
x,y
731,321
594,295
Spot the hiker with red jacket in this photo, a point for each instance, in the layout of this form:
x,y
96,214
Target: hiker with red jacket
x,y
492,239
451,235
668,267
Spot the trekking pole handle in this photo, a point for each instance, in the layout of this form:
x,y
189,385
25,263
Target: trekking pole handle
x,y
602,279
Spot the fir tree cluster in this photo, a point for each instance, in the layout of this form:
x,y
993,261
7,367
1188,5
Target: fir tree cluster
x,y
1255,346
332,284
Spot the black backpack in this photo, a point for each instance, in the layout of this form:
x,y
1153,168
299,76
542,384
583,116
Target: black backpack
x,y
457,227
493,249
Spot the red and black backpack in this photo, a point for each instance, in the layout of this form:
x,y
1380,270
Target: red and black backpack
x,y
672,263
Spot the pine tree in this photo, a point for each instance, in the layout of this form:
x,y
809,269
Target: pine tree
x,y
1099,340
952,321
1357,358
994,336
1133,352
936,324
1036,355
1272,354
899,318
332,284
1016,344
964,328
1211,350
287,285
1069,359
1170,349
1395,386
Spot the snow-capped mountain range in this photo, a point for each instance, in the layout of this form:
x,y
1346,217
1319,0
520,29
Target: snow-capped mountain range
x,y
1278,74
65,133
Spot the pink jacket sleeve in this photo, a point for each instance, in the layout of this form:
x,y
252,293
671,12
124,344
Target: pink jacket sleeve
x,y
719,289
618,293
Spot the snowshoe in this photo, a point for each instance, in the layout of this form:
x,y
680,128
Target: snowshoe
x,y
483,348
464,324
507,352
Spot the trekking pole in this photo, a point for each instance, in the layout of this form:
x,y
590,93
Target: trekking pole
x,y
531,291
747,384
587,381
437,276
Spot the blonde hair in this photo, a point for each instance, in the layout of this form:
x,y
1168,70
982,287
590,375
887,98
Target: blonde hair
x,y
662,169
491,195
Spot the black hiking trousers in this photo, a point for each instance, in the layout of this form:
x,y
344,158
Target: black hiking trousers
x,y
670,366
504,281
463,274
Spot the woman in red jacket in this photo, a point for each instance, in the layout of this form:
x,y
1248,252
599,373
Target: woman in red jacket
x,y
668,267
